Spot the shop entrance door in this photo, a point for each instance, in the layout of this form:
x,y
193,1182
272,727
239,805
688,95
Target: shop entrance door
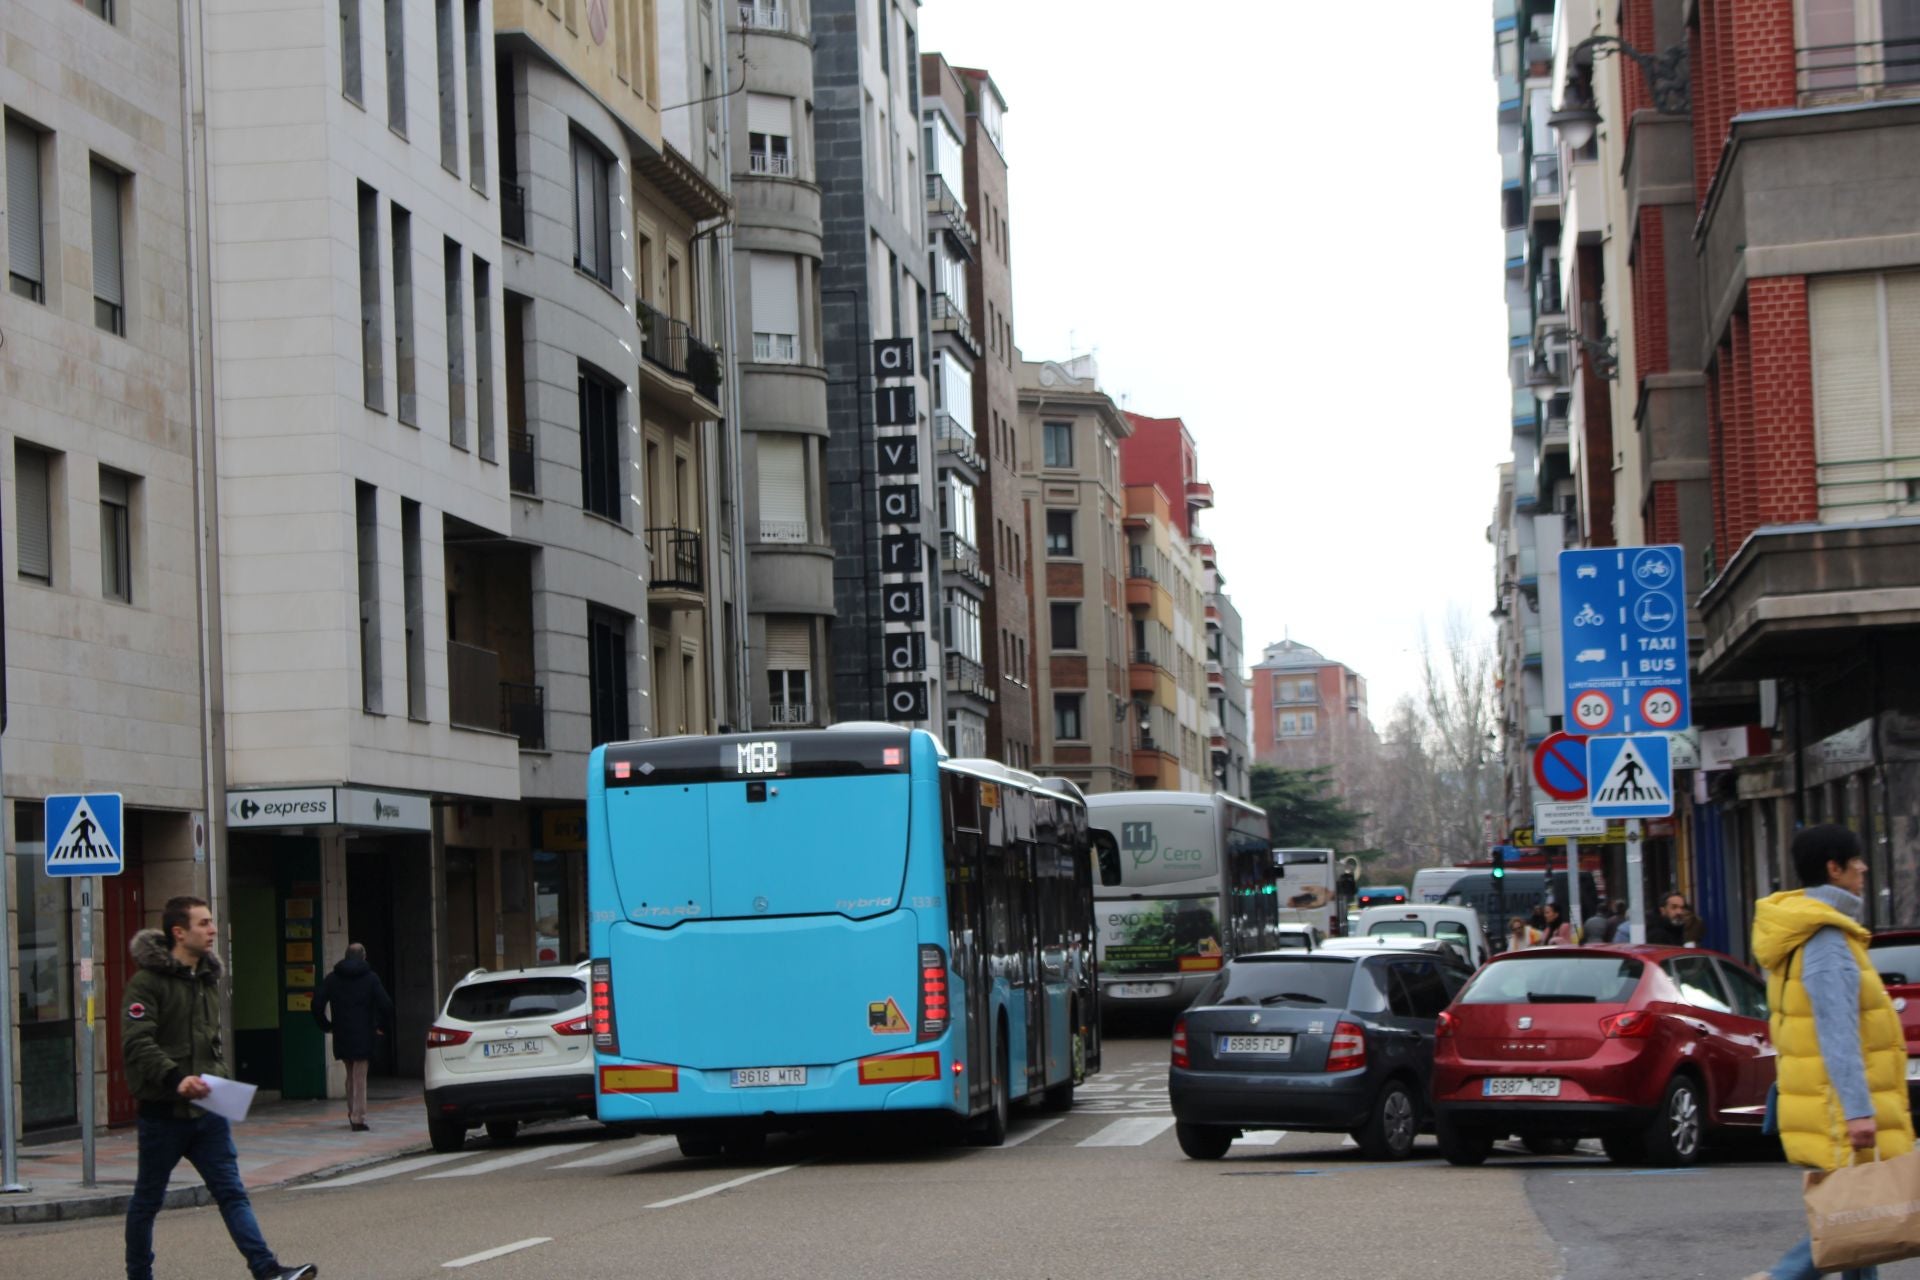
x,y
125,902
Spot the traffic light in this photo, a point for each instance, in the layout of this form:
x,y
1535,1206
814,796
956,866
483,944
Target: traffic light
x,y
1349,886
1499,862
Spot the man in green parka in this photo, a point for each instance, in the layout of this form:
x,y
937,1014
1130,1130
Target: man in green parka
x,y
170,1038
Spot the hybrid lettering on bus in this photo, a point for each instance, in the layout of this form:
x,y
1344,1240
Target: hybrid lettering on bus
x,y
1197,885
794,928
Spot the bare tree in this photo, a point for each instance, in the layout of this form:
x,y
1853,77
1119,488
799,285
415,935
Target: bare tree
x,y
1436,772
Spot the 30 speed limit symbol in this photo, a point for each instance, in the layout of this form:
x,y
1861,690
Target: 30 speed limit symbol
x,y
1660,708
1592,709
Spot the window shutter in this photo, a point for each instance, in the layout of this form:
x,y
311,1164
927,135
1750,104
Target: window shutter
x,y
789,644
776,293
33,513
1903,355
769,113
783,489
1848,411
23,202
106,236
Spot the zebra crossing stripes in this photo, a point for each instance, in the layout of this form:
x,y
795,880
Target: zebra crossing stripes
x,y
509,1161
1134,1131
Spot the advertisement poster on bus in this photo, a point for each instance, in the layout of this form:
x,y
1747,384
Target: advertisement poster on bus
x,y
1160,935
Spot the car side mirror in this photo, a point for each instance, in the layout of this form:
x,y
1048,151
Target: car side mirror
x,y
1107,850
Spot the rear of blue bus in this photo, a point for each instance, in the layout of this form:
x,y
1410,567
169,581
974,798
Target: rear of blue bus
x,y
769,931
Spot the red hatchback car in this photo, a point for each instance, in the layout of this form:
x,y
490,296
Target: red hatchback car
x,y
1895,954
1649,1049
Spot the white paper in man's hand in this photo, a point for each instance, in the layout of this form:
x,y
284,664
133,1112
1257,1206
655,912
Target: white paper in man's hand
x,y
228,1099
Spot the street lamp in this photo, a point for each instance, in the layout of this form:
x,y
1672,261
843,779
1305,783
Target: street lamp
x,y
1667,83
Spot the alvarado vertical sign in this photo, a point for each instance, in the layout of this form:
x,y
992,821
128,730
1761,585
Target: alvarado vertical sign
x,y
903,590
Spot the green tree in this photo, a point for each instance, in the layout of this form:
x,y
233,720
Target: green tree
x,y
1304,811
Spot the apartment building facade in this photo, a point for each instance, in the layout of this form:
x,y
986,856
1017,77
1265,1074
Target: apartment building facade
x,y
1076,503
1164,641
1310,712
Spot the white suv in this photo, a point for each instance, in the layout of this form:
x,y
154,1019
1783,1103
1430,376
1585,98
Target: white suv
x,y
508,1047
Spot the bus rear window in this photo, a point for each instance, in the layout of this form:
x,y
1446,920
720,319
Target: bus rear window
x,y
506,998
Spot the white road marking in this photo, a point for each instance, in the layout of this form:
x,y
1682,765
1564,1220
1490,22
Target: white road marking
x,y
527,1156
1348,1141
1015,1139
1136,1131
501,1252
620,1155
1260,1138
384,1171
718,1187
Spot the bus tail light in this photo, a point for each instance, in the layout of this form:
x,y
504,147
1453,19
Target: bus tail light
x,y
446,1037
1180,1058
1348,1051
934,1010
606,1033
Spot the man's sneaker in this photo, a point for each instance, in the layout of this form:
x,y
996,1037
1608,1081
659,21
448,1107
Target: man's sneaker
x,y
305,1271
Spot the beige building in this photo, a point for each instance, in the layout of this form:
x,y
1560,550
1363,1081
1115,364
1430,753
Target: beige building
x,y
1166,639
1069,461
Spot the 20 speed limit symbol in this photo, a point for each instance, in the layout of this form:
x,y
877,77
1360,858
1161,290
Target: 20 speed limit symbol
x,y
1660,708
1592,709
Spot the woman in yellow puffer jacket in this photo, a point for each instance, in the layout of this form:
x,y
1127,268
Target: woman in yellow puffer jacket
x,y
1842,1065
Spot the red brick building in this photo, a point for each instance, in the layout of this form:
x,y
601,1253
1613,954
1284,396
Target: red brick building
x,y
1311,712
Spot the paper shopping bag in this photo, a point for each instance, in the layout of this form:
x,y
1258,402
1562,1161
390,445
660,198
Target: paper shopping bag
x,y
1865,1214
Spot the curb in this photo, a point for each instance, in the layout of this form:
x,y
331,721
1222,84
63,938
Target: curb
x,y
95,1206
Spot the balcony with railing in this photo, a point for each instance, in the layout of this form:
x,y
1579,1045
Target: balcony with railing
x,y
950,317
953,439
522,475
477,698
513,213
789,532
966,676
764,15
962,558
668,345
1545,171
1863,71
676,568
790,714
770,163
1516,246
946,212
776,348
1199,493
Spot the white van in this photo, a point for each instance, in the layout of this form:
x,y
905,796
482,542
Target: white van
x,y
1458,925
1430,884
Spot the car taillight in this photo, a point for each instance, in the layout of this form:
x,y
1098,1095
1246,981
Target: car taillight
x,y
606,1033
1180,1044
1634,1024
439,1037
1348,1049
1445,1025
580,1026
933,992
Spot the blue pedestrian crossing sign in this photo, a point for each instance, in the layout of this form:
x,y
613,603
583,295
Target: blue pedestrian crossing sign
x,y
84,834
1632,777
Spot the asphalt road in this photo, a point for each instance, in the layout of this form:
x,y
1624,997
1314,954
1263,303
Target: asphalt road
x,y
1102,1192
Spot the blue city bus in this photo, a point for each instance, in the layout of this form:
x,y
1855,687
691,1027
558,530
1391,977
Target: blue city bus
x,y
795,929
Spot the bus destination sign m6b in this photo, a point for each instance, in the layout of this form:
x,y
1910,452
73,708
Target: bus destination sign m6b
x,y
1623,630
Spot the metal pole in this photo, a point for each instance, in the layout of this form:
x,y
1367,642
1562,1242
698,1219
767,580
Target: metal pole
x,y
1574,906
1636,891
86,1030
9,1155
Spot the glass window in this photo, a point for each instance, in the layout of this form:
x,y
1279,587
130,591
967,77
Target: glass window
x,y
1897,963
1066,715
1749,994
1544,978
33,513
592,234
1066,625
25,232
1415,991
396,67
1059,533
500,1000
1699,983
109,291
1302,981
116,536
1397,928
601,489
607,675
1058,444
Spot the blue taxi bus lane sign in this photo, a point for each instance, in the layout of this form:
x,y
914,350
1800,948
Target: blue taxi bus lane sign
x,y
1632,776
84,834
1623,631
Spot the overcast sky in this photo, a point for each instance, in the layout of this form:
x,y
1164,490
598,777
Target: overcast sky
x,y
1278,221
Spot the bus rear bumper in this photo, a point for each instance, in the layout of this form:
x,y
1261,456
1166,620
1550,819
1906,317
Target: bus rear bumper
x,y
831,1091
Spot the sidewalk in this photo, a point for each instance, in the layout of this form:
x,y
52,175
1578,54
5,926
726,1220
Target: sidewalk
x,y
280,1142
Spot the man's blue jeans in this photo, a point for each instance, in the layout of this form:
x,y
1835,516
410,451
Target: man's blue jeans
x,y
206,1142
1798,1265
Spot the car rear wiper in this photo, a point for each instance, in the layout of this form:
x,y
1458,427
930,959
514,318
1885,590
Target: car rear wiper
x,y
1552,997
1297,997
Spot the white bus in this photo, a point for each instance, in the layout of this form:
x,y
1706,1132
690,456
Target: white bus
x,y
1198,885
1308,880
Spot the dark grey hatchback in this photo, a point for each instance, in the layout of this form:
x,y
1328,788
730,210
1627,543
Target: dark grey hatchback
x,y
1333,1041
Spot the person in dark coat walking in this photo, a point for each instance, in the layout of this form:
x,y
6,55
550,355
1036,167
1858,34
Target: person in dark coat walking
x,y
360,1008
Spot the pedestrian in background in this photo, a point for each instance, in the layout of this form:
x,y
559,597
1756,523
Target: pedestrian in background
x,y
170,1039
1676,925
1555,929
1520,935
360,1008
1595,928
1842,1066
1617,922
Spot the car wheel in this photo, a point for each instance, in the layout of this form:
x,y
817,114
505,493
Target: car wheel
x,y
990,1130
698,1146
1542,1145
1623,1148
446,1134
1388,1133
1673,1137
502,1132
1203,1141
1462,1144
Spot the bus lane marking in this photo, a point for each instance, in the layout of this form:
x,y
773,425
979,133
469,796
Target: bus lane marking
x,y
728,1185
620,1155
1015,1139
527,1156
1136,1131
489,1255
383,1171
